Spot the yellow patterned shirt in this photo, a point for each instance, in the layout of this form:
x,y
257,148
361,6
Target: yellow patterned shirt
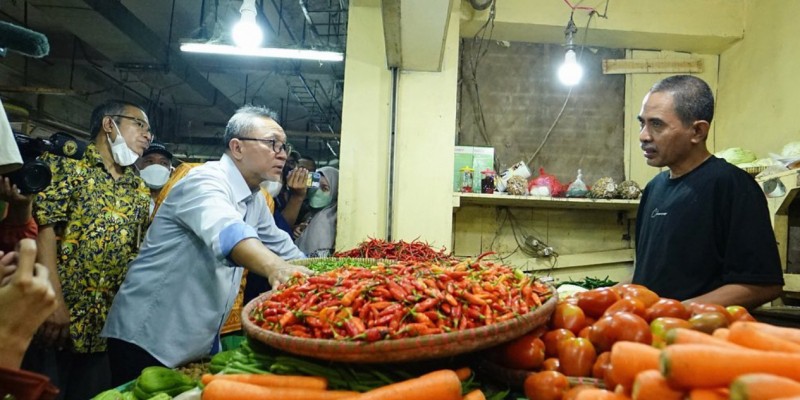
x,y
100,223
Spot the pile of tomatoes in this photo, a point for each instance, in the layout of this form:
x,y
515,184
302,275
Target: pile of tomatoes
x,y
583,328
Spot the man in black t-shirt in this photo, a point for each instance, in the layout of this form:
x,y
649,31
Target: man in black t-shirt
x,y
703,226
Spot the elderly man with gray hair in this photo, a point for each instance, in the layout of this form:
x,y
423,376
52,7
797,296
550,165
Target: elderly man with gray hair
x,y
213,223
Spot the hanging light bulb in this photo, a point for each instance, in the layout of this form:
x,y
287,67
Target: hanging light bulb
x,y
246,33
570,72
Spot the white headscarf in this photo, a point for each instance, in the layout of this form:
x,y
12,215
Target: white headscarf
x,y
319,237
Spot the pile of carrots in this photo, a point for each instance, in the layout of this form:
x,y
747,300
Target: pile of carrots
x,y
440,385
747,361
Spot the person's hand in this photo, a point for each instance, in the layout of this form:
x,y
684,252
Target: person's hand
x,y
27,298
10,193
283,272
296,182
298,230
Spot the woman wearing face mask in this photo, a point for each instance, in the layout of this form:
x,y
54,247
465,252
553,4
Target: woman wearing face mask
x,y
319,237
155,167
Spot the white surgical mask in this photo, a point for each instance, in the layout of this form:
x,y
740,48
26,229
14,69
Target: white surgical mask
x,y
123,155
155,175
272,187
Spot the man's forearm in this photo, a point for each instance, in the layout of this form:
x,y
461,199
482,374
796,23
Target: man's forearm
x,y
292,209
252,254
748,296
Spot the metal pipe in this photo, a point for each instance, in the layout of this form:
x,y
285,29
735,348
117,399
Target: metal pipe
x,y
392,155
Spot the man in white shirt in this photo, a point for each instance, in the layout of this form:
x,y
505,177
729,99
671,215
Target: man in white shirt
x,y
180,289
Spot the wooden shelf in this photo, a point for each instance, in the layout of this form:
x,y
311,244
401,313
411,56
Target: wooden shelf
x,y
481,199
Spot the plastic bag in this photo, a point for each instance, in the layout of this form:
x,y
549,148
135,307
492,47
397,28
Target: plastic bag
x,y
546,185
577,188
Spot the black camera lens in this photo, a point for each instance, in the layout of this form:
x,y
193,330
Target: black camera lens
x,y
33,177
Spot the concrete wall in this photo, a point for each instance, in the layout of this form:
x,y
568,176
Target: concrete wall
x,y
758,85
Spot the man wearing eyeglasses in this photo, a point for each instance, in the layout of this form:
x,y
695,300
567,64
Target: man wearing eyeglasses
x,y
180,289
91,221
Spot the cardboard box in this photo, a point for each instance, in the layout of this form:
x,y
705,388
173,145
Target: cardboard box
x,y
478,158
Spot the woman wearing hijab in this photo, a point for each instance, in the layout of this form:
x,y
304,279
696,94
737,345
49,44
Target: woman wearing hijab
x,y
319,237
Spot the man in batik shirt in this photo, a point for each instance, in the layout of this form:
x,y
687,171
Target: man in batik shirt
x,y
92,219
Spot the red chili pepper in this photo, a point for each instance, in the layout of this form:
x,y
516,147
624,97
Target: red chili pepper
x,y
425,305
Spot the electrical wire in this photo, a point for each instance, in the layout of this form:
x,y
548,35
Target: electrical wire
x,y
579,57
480,41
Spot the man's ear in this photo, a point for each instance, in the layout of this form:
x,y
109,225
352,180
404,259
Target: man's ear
x,y
700,131
235,149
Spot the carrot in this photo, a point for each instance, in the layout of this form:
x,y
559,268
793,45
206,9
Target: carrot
x,y
708,394
221,389
270,380
704,366
721,333
650,385
749,336
463,373
684,336
476,394
439,385
763,387
790,334
599,394
630,358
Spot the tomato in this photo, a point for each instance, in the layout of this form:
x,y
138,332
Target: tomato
x,y
645,295
571,300
568,316
526,352
551,364
584,333
572,393
739,313
610,380
577,356
594,302
701,308
601,365
551,339
619,326
708,322
629,305
667,308
546,385
660,326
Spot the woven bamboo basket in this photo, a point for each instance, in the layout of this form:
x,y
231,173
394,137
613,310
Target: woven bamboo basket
x,y
407,349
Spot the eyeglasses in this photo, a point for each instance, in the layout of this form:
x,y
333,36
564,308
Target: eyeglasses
x,y
140,124
277,146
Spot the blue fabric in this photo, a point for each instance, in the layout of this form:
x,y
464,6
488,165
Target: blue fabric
x,y
232,235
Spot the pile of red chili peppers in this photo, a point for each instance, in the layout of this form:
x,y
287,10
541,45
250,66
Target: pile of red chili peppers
x,y
401,251
399,301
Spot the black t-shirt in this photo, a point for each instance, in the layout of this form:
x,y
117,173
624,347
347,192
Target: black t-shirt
x,y
705,229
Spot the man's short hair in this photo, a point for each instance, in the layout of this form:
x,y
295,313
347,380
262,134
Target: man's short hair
x,y
244,121
691,97
110,107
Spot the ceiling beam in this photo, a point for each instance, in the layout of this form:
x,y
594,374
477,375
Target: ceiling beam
x,y
116,13
415,32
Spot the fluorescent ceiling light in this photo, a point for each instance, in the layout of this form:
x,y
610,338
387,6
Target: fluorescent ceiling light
x,y
262,52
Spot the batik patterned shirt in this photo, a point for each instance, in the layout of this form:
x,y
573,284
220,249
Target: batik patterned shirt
x,y
100,223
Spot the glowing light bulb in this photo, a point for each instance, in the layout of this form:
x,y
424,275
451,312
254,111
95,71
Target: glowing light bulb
x,y
570,73
246,33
